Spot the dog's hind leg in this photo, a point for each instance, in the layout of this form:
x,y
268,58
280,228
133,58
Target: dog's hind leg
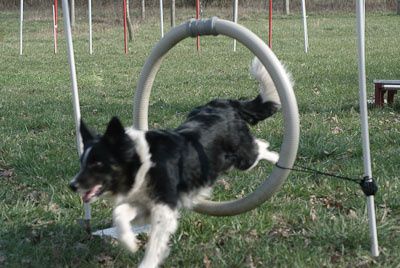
x,y
164,222
123,215
264,153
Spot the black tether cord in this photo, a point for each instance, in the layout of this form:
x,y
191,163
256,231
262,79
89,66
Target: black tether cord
x,y
368,185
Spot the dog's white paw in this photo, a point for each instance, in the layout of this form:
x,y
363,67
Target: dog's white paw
x,y
262,143
130,242
264,153
144,264
273,157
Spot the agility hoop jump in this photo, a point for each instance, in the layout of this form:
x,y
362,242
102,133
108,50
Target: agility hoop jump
x,y
289,147
288,151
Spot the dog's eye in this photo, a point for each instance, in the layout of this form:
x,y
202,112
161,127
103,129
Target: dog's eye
x,y
96,165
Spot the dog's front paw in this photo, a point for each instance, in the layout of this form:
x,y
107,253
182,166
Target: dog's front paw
x,y
145,264
130,242
273,157
262,143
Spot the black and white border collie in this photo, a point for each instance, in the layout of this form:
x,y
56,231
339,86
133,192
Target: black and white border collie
x,y
151,174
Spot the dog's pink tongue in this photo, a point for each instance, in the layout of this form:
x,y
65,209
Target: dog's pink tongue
x,y
86,197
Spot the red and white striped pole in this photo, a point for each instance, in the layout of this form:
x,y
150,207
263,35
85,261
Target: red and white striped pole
x,y
198,17
125,28
270,24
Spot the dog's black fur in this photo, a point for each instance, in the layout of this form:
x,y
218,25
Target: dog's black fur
x,y
179,163
214,138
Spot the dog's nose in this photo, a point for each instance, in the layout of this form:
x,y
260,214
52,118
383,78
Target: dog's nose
x,y
73,186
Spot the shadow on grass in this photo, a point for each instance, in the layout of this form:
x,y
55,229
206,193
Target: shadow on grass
x,y
57,245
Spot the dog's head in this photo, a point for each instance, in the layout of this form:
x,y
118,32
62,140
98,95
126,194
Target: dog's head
x,y
107,162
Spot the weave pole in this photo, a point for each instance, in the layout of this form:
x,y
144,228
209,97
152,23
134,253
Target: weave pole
x,y
125,29
235,18
55,18
270,24
197,18
303,11
90,27
360,10
75,95
162,18
54,30
21,20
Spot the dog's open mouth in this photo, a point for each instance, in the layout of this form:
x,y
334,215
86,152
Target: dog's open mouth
x,y
94,192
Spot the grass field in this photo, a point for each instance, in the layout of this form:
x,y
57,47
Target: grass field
x,y
312,221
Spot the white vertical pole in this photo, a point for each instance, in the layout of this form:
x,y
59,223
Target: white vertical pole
x,y
173,13
161,19
303,8
90,28
54,31
360,9
74,86
235,18
21,19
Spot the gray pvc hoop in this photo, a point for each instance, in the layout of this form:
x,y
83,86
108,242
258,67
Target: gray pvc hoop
x,y
288,150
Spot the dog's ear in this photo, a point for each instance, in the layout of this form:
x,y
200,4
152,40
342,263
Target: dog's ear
x,y
115,131
86,133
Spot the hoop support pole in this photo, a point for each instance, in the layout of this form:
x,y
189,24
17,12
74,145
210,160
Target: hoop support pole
x,y
360,10
74,87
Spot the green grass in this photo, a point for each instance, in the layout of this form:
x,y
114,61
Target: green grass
x,y
311,222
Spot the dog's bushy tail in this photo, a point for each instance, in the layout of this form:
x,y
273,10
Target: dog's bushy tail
x,y
267,87
267,102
